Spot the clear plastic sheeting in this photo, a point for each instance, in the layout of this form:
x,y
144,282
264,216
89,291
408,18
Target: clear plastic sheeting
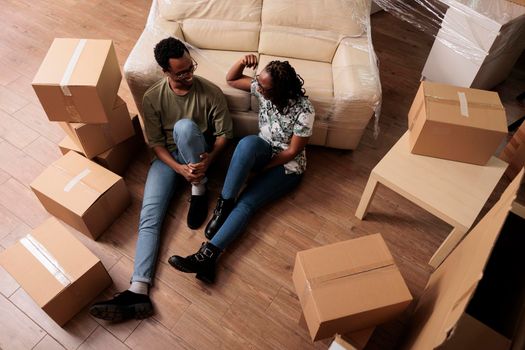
x,y
477,41
328,42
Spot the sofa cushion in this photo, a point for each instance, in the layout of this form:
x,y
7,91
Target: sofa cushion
x,y
292,29
216,24
317,81
213,65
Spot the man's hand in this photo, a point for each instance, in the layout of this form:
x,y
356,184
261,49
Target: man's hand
x,y
249,61
189,174
202,166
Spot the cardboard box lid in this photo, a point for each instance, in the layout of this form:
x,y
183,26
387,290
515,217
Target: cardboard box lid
x,y
463,106
357,269
346,258
67,144
75,182
451,286
80,59
47,261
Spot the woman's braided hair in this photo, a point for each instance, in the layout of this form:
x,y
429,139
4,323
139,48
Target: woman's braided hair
x,y
286,84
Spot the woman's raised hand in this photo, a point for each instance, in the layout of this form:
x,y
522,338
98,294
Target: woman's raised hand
x,y
249,61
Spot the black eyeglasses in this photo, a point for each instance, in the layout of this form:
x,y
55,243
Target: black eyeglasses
x,y
186,73
261,88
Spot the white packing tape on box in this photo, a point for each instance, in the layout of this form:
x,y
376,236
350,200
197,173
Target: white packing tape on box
x,y
72,183
46,259
463,104
71,66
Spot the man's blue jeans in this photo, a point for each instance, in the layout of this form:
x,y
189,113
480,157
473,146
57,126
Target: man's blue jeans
x,y
252,154
160,186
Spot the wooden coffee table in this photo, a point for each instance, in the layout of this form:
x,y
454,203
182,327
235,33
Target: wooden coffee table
x,y
453,191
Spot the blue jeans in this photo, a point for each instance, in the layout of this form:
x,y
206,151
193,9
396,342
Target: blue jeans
x,y
160,186
252,154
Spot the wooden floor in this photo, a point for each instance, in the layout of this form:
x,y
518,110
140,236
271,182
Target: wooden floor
x,y
253,305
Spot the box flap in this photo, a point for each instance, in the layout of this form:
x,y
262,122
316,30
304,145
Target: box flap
x,y
67,144
74,182
72,255
452,284
346,258
361,293
30,273
67,57
463,106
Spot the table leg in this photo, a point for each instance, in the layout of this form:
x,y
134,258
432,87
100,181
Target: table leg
x,y
366,197
447,246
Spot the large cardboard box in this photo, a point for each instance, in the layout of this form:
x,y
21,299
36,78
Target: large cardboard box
x,y
441,320
349,286
82,193
78,80
461,124
118,157
56,270
94,139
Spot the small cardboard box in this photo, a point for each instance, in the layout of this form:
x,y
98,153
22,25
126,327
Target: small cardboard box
x,y
82,193
461,124
349,286
352,341
56,270
78,80
94,139
118,157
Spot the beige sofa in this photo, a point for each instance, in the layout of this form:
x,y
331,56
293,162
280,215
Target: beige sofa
x,y
327,41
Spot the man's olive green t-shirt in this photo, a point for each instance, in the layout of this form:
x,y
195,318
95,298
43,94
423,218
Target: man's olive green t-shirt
x,y
205,104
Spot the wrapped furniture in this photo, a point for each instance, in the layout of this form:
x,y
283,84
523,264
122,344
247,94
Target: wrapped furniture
x,y
327,42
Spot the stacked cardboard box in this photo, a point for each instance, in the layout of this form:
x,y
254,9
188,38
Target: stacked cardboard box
x,y
349,286
77,85
118,157
82,193
461,124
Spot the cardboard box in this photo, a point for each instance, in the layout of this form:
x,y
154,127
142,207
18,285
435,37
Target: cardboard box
x,y
78,80
440,318
56,270
514,153
461,124
349,286
352,341
519,2
82,193
117,158
94,139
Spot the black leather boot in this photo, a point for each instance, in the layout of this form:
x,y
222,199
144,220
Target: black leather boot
x,y
222,210
202,263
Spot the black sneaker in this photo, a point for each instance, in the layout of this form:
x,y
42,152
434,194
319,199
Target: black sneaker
x,y
123,306
198,211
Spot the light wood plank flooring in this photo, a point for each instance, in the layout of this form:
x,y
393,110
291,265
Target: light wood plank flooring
x,y
253,305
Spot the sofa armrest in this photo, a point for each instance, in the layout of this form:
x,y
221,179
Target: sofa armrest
x,y
355,72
